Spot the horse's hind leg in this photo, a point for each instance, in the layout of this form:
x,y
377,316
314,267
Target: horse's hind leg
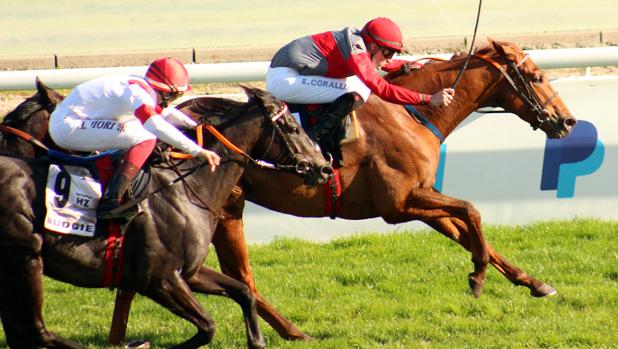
x,y
428,205
456,231
21,301
209,281
233,255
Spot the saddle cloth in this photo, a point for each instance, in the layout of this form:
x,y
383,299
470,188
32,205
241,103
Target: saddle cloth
x,y
72,195
73,192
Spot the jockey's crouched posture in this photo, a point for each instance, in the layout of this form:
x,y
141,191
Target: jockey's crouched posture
x,y
339,67
125,112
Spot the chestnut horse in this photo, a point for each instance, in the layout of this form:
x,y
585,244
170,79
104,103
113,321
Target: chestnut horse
x,y
390,171
164,247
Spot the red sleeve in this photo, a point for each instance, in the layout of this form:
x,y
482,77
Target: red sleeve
x,y
144,112
363,68
395,64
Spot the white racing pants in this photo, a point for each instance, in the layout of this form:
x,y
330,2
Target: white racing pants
x,y
288,85
74,133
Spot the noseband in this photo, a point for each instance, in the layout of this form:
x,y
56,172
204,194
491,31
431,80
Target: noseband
x,y
523,89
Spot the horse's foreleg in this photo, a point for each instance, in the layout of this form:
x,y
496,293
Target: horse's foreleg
x,y
174,294
233,255
120,318
456,230
427,205
209,281
21,301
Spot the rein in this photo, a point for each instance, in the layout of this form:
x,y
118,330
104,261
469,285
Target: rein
x,y
229,145
527,94
23,135
299,166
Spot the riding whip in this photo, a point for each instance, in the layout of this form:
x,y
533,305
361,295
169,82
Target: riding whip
x,y
463,68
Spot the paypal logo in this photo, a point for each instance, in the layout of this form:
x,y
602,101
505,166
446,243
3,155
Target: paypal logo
x,y
440,173
579,154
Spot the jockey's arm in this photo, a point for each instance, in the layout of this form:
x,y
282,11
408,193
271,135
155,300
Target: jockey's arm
x,y
399,64
171,135
363,68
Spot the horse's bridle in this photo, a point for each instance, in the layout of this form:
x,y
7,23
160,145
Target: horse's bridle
x,y
525,91
300,164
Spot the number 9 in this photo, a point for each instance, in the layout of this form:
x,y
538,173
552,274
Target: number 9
x,y
62,187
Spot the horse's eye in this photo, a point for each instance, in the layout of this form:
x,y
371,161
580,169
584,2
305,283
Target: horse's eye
x,y
537,78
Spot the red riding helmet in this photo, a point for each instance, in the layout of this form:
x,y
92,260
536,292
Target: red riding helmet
x,y
384,32
168,74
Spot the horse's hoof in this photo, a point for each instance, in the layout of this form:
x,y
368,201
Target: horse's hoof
x,y
294,334
543,290
476,288
299,337
138,344
305,337
258,345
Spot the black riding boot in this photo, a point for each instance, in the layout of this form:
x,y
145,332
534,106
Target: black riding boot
x,y
334,114
117,186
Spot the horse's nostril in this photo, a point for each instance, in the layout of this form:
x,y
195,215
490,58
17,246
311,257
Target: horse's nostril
x,y
327,170
570,122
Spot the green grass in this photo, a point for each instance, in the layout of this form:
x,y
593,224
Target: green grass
x,y
399,290
32,27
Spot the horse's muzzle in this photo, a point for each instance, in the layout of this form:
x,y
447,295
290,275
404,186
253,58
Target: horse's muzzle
x,y
316,175
564,127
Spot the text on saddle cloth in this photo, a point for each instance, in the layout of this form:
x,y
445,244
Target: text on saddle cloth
x,y
73,193
72,196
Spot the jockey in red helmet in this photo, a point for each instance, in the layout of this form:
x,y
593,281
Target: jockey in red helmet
x,y
126,112
385,33
169,75
339,67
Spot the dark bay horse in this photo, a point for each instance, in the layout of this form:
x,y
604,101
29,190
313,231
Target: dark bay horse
x,y
164,247
390,171
32,117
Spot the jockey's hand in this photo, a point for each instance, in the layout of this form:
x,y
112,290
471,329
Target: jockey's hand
x,y
210,156
442,98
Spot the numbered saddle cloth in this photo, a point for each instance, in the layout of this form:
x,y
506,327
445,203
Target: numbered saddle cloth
x,y
71,198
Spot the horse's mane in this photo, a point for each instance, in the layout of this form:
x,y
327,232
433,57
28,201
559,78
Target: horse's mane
x,y
437,64
24,110
212,108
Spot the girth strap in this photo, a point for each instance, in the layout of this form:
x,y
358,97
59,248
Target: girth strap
x,y
332,195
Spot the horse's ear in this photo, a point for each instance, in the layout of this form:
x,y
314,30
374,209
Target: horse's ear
x,y
250,92
505,49
48,95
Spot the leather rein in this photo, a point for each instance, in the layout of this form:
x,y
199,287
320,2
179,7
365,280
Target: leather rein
x,y
300,164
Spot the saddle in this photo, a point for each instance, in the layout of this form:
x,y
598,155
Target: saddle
x,y
75,185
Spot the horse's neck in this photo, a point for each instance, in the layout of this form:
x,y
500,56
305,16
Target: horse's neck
x,y
473,91
215,187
